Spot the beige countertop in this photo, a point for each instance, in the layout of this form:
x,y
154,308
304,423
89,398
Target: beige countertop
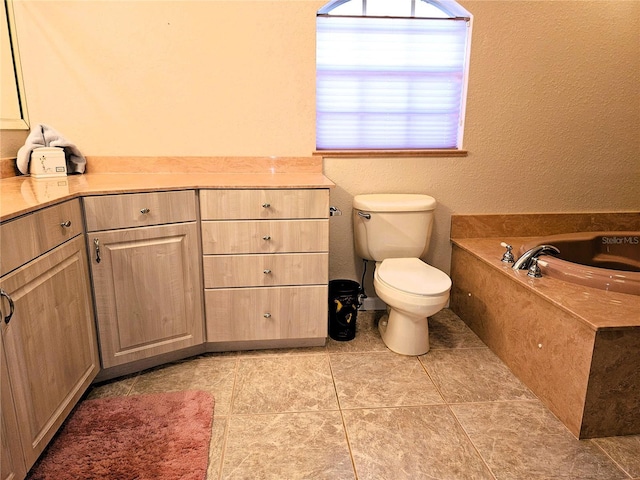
x,y
23,194
596,308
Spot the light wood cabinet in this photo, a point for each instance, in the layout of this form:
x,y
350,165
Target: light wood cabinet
x,y
24,238
265,259
127,210
260,314
12,461
264,204
50,342
146,280
223,271
265,267
265,236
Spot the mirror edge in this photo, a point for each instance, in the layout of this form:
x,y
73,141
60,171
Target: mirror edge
x,y
21,123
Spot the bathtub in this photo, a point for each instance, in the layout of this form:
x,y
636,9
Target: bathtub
x,y
576,348
605,260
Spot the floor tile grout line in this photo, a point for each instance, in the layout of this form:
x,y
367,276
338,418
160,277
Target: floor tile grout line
x,y
133,384
227,426
344,423
448,404
284,412
622,469
475,448
435,384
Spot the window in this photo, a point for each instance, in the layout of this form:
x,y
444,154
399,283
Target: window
x,y
391,74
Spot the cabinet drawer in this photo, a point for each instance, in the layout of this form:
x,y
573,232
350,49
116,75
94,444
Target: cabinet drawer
x,y
269,313
139,209
266,270
263,204
25,238
265,236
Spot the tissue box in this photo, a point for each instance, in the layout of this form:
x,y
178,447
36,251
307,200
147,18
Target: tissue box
x,y
47,162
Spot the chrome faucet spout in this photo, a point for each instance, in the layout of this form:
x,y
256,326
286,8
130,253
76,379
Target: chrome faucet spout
x,y
525,260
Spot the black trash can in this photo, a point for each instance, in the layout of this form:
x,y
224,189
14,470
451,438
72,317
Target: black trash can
x,y
343,309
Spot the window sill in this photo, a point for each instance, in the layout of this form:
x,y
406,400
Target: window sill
x,y
442,152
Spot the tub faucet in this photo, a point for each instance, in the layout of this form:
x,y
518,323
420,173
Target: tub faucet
x,y
525,260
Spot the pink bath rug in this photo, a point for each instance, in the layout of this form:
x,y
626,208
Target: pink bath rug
x,y
145,437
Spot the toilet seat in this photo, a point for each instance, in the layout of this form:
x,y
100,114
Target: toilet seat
x,y
413,276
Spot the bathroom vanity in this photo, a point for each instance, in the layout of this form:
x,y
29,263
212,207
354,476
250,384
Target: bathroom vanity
x,y
175,263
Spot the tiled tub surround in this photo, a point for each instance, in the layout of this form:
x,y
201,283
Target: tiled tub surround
x,y
576,347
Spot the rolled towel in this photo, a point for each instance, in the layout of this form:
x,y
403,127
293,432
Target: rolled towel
x,y
44,136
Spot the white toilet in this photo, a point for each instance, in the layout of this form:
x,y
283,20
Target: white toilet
x,y
394,230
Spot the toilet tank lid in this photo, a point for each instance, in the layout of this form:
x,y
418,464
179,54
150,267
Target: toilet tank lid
x,y
394,202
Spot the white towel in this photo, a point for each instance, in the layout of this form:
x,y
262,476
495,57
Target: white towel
x,y
44,136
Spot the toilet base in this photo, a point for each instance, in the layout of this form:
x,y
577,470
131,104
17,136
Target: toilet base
x,y
403,334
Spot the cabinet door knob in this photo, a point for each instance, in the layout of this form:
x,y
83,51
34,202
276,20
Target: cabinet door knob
x,y
66,224
7,319
266,271
266,237
144,211
266,205
267,315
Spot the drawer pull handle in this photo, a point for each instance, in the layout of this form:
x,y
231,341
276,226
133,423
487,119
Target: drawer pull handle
x,y
266,237
96,243
7,319
267,271
144,211
266,205
66,224
267,315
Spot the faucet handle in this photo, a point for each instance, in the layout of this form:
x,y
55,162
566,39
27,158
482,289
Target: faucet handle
x,y
507,257
534,269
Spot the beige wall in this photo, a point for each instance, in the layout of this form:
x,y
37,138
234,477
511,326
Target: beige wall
x,y
553,116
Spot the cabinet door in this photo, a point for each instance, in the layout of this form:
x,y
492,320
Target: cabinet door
x,y
50,342
12,462
148,291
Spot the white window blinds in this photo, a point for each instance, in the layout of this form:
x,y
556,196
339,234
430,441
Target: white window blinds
x,y
390,83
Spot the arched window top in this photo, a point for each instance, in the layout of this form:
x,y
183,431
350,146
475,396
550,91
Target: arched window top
x,y
391,74
395,8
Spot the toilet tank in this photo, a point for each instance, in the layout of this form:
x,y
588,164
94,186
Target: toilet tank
x,y
392,225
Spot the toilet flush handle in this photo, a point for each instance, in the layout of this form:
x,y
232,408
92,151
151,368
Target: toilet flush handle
x,y
364,215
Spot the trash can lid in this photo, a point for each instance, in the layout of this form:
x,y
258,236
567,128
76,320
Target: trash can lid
x,y
344,286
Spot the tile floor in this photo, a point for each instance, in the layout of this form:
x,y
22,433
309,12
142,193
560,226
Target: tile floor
x,y
356,410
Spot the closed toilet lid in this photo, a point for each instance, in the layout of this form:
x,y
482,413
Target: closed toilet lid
x,y
412,275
